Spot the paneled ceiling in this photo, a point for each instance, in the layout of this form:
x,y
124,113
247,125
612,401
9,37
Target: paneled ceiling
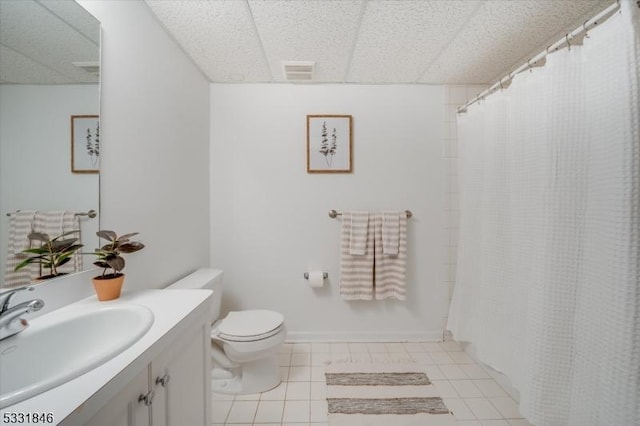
x,y
350,41
41,40
369,41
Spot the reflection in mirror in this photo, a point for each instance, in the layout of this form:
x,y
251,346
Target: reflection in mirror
x,y
49,73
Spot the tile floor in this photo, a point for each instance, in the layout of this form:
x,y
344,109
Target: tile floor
x,y
300,400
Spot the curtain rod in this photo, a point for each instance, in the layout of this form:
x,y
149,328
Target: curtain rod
x,y
540,59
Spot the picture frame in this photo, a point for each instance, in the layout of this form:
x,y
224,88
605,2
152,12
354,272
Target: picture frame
x,y
329,143
85,144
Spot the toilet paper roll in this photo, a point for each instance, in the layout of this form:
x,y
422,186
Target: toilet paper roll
x,y
316,279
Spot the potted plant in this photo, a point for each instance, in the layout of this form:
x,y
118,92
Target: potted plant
x,y
109,284
52,253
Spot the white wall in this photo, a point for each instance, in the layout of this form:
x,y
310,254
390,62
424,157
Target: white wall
x,y
155,132
35,155
269,221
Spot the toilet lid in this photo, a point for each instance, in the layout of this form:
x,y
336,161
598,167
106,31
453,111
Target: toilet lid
x,y
249,324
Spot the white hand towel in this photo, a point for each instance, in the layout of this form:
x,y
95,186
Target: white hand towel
x,y
391,232
359,232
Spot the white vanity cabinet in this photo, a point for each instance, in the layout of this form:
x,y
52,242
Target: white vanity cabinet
x,y
125,409
181,379
172,390
170,365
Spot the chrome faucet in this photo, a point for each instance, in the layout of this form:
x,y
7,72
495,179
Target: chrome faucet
x,y
11,321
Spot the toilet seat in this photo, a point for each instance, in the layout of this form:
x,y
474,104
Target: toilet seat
x,y
249,326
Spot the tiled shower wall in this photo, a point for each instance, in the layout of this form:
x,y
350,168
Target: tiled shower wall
x,y
455,96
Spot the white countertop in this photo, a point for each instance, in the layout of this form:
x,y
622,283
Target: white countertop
x,y
68,401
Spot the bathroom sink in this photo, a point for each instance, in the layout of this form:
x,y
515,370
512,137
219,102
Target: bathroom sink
x,y
65,344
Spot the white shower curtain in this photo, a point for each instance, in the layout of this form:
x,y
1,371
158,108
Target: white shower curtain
x,y
548,286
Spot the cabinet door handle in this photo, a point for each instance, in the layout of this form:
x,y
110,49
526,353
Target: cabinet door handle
x,y
163,381
147,398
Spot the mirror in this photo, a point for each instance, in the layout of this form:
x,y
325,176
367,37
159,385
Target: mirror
x,y
49,73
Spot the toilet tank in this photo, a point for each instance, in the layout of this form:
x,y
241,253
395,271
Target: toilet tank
x,y
207,279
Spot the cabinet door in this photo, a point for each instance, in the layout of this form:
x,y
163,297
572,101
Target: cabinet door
x,y
182,376
125,409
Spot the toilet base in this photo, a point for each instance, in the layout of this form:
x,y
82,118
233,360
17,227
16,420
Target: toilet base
x,y
253,377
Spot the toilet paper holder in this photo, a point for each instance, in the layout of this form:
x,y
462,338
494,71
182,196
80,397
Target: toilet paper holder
x,y
325,275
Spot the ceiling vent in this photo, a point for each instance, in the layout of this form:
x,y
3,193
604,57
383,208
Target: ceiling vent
x,y
298,70
90,67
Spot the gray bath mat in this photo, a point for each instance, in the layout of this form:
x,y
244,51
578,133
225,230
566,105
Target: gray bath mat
x,y
433,405
399,394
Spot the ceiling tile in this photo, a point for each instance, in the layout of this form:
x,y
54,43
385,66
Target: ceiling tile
x,y
308,30
369,41
399,39
19,69
76,17
218,35
37,41
504,34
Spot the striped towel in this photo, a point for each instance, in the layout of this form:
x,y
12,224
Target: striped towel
x,y
390,270
391,232
359,233
20,226
356,271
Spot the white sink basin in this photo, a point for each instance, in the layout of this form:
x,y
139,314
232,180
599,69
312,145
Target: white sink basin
x,y
64,344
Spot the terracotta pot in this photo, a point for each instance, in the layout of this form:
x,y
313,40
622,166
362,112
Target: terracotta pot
x,y
108,288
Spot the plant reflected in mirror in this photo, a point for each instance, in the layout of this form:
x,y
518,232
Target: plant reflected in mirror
x,y
52,253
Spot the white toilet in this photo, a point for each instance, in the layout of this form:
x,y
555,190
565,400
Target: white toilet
x,y
244,344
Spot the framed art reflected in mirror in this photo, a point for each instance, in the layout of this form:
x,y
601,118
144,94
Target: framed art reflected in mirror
x,y
85,144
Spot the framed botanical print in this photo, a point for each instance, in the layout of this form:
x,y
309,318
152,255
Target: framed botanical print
x,y
85,144
329,144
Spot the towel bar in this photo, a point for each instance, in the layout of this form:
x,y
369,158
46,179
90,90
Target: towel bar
x,y
333,214
91,213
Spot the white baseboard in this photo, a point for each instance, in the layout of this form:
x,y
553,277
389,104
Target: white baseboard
x,y
364,336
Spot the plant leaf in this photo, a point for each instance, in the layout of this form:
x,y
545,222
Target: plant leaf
x,y
65,234
126,237
131,247
107,235
22,264
101,264
116,263
63,261
37,250
38,236
64,245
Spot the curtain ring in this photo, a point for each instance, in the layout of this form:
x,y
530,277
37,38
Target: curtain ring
x,y
530,67
568,42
